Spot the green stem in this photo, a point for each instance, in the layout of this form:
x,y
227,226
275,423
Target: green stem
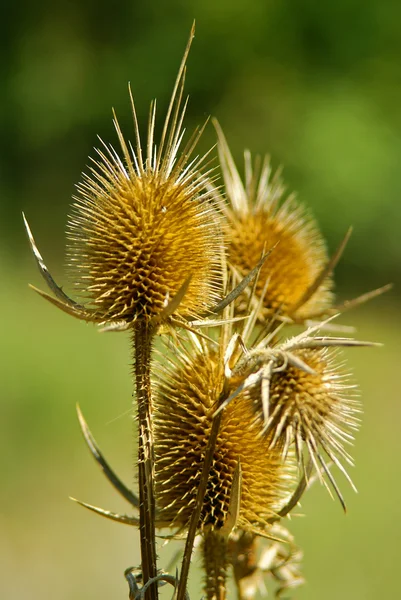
x,y
143,349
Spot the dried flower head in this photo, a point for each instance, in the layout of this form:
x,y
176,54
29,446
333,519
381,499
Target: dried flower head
x,y
305,398
260,218
141,228
186,397
145,228
314,406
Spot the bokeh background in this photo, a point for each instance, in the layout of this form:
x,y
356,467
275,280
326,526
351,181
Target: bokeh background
x,y
318,87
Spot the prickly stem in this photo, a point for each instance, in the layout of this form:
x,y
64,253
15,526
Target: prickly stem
x,y
142,350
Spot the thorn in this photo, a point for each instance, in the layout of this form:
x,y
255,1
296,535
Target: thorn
x,y
234,503
62,297
173,304
348,304
233,295
98,456
295,498
67,308
113,327
108,514
326,271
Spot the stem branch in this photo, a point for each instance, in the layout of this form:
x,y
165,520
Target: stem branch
x,y
142,349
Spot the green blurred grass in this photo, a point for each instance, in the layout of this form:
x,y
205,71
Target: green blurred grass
x,y
50,547
297,80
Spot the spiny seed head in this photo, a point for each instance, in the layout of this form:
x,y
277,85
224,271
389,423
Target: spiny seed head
x,y
186,397
141,228
317,411
260,218
137,240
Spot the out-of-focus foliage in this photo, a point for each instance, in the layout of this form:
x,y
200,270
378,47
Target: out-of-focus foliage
x,y
318,86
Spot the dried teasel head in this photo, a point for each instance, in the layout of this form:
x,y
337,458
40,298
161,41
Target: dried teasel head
x,y
186,396
145,228
305,397
318,409
215,471
260,218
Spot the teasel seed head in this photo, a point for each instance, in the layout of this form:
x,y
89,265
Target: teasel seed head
x,y
186,395
145,233
312,406
141,228
260,218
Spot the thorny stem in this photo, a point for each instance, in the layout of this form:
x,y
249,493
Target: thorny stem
x,y
243,552
193,525
142,350
215,562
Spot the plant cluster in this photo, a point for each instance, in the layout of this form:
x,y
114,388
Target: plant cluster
x,y
235,418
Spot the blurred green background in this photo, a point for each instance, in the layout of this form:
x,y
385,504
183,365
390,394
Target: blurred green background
x,y
317,86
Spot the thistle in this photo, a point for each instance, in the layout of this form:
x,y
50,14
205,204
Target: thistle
x,y
304,397
145,245
145,236
186,398
247,484
260,217
271,399
235,421
315,409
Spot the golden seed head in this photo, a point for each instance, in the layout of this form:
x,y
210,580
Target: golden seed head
x,y
186,398
136,240
294,264
259,218
317,411
141,229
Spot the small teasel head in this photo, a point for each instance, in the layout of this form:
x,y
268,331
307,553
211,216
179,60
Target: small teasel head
x,y
306,399
145,227
261,217
141,228
318,409
186,395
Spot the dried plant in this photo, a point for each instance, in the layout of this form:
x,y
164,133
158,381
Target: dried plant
x,y
259,217
235,420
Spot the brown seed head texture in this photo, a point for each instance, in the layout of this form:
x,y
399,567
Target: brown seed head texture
x,y
186,397
317,410
259,218
141,228
138,240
